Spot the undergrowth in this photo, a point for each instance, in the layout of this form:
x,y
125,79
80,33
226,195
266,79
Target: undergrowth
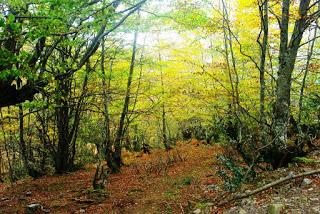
x,y
233,173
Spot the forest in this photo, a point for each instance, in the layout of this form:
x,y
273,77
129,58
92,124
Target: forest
x,y
159,106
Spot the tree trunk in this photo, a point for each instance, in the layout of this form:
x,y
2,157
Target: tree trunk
x,y
120,132
73,135
68,121
62,120
107,144
163,115
287,58
263,48
23,148
232,71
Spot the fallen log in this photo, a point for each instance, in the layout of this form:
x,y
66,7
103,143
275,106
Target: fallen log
x,y
291,176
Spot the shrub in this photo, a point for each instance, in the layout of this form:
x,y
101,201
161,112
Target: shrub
x,y
233,174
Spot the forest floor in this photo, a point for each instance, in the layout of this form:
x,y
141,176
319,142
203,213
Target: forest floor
x,y
183,180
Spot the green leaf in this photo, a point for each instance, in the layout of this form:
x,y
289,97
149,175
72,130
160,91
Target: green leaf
x,y
11,18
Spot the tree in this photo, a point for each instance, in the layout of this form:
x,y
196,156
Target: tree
x,y
287,58
117,162
264,16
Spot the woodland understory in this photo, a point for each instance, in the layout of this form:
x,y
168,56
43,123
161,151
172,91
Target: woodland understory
x,y
153,106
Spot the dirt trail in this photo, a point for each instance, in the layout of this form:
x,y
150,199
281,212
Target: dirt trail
x,y
163,182
177,181
152,185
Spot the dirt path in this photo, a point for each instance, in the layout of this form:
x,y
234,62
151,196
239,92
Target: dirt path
x,y
177,181
163,182
151,185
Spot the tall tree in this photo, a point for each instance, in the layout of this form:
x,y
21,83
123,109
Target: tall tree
x,y
287,58
264,20
117,162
